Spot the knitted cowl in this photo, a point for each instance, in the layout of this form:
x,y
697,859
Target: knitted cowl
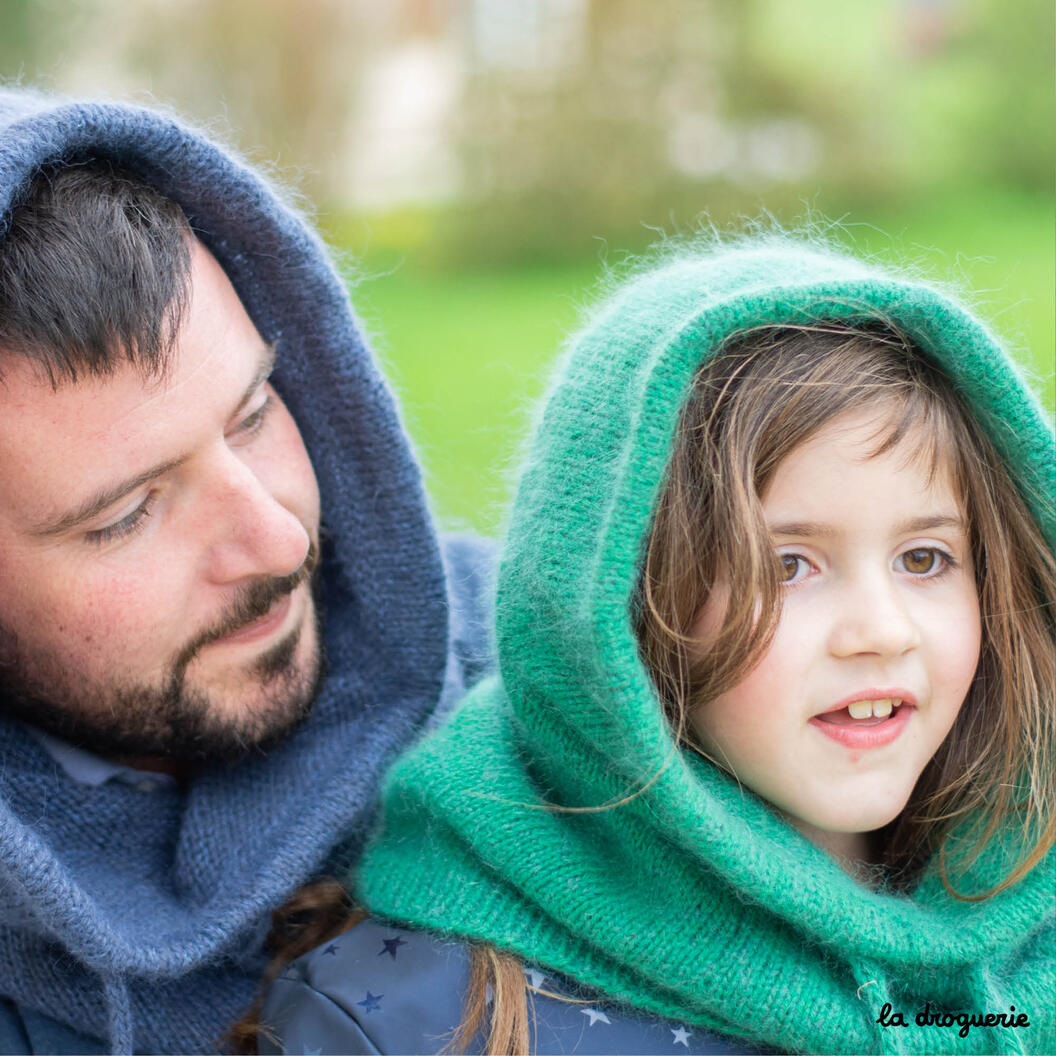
x,y
139,917
691,898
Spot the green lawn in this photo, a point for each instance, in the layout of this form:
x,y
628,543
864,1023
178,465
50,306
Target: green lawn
x,y
469,351
468,354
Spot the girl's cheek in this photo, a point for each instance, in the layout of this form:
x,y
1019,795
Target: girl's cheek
x,y
708,621
956,632
961,656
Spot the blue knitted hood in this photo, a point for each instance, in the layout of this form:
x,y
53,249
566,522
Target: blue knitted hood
x,y
138,917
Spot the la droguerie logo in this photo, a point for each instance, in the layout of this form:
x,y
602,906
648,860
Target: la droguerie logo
x,y
963,1020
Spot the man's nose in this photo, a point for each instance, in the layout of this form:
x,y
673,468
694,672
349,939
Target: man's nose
x,y
871,617
252,533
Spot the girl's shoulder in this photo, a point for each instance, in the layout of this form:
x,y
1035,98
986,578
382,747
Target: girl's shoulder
x,y
379,989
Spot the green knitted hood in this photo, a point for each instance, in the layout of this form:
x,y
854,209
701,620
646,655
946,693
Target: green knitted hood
x,y
692,898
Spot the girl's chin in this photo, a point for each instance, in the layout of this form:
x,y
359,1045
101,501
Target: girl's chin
x,y
847,835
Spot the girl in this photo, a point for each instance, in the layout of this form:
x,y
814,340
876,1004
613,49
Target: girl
x,y
770,760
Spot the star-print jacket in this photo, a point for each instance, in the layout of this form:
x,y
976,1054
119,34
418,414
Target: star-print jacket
x,y
382,990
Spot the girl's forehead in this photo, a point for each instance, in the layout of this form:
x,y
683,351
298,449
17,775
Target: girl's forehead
x,y
868,444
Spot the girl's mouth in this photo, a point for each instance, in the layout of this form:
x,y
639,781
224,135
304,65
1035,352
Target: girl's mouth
x,y
863,712
865,723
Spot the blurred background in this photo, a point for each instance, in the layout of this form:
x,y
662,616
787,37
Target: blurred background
x,y
480,163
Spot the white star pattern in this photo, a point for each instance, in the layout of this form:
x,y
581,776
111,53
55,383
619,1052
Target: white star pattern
x,y
596,1016
681,1036
535,977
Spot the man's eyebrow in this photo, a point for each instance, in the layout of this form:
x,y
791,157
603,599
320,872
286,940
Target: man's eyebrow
x,y
812,529
263,372
95,504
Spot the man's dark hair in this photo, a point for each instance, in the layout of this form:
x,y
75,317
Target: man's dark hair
x,y
94,267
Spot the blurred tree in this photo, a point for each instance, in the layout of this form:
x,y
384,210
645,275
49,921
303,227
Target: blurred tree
x,y
565,122
619,115
285,73
1008,132
23,38
581,117
529,128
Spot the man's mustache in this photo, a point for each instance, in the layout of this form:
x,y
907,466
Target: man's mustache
x,y
251,603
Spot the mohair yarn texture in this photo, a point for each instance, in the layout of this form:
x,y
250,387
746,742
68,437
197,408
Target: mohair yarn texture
x,y
691,898
136,919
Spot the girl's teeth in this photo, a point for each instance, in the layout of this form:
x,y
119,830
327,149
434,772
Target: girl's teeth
x,y
867,709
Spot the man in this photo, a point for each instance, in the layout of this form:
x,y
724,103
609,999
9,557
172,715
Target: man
x,y
223,608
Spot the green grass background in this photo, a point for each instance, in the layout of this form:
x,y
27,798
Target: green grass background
x,y
469,351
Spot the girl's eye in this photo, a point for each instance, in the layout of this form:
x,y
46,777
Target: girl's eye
x,y
791,568
926,561
124,527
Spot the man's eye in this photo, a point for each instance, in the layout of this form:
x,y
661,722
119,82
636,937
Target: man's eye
x,y
128,524
254,422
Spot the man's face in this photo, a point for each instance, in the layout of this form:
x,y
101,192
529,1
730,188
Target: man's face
x,y
157,539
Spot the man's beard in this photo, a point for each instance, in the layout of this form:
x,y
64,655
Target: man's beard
x,y
172,720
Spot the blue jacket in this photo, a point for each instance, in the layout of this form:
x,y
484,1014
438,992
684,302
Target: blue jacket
x,y
378,989
135,919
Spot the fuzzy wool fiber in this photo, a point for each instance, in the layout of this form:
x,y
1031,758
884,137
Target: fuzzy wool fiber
x,y
133,919
685,894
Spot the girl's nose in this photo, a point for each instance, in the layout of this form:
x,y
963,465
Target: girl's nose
x,y
873,620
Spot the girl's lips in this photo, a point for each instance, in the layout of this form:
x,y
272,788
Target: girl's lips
x,y
865,733
887,693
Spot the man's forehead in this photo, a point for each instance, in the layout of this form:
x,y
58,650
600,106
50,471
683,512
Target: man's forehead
x,y
26,386
99,403
56,443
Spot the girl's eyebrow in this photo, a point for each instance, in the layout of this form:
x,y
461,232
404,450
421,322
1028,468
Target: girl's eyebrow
x,y
813,529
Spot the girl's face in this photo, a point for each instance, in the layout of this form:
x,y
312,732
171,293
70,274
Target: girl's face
x,y
877,642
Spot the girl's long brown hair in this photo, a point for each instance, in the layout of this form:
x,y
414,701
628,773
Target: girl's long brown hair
x,y
323,910
312,915
766,393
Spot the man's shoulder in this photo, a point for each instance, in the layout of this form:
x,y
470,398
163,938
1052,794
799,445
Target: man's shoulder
x,y
470,564
13,1037
23,1031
